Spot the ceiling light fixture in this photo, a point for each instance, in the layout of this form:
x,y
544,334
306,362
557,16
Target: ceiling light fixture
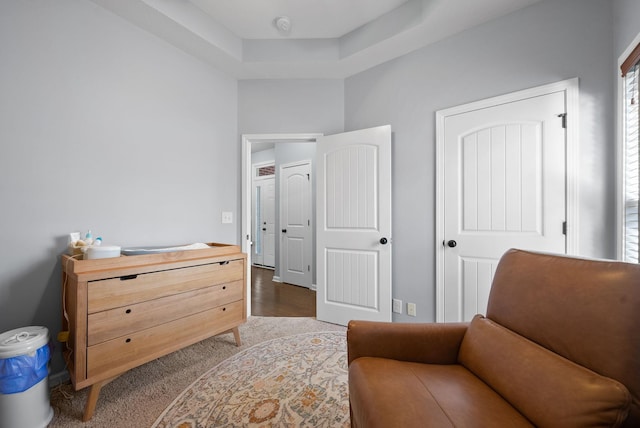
x,y
283,24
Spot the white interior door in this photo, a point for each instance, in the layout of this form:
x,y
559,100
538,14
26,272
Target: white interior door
x,y
295,224
504,187
354,226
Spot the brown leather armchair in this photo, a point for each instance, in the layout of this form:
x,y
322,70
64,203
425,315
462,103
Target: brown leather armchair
x,y
559,347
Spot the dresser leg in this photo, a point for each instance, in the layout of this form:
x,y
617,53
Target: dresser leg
x,y
236,334
92,399
94,392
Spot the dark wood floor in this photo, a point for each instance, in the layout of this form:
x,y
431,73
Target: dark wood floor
x,y
276,299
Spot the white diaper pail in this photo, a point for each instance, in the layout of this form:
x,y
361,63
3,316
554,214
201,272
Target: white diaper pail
x,y
24,372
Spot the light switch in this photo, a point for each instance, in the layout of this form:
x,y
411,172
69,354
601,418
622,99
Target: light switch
x,y
227,217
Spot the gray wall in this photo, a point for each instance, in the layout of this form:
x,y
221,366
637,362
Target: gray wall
x,y
290,106
545,43
625,23
102,126
268,155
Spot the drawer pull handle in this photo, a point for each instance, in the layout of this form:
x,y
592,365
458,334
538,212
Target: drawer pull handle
x,y
226,262
128,311
224,287
224,309
128,277
128,340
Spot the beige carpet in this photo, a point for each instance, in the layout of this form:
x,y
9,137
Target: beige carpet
x,y
140,396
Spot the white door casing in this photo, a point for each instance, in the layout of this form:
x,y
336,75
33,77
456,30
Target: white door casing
x,y
502,184
295,224
354,226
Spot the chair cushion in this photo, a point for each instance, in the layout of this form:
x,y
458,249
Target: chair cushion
x,y
548,389
390,393
585,310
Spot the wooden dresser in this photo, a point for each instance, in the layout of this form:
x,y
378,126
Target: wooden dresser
x,y
125,311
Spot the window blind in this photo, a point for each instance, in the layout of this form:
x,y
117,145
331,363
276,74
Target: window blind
x,y
631,162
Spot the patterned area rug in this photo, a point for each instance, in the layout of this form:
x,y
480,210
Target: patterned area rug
x,y
294,381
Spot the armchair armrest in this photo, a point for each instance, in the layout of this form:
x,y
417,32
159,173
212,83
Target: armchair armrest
x,y
422,343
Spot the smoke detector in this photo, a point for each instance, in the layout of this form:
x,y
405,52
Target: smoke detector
x,y
283,24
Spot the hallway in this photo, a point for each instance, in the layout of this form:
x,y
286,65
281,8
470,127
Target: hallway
x,y
275,299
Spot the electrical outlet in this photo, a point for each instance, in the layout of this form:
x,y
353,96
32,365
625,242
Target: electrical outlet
x,y
397,306
411,309
227,217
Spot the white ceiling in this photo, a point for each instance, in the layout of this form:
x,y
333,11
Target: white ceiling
x,y
311,19
328,38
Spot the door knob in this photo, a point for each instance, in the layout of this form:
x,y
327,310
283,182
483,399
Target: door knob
x,y
284,230
451,243
264,228
383,241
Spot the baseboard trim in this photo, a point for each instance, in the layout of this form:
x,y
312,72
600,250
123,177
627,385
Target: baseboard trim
x,y
258,265
276,279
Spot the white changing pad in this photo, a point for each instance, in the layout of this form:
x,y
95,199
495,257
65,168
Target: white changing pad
x,y
154,250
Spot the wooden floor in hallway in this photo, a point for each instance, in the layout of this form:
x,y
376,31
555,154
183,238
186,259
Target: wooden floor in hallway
x,y
277,299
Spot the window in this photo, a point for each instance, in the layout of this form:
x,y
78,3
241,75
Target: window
x,y
631,155
264,171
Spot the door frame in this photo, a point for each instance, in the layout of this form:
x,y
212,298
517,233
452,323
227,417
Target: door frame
x,y
570,88
246,183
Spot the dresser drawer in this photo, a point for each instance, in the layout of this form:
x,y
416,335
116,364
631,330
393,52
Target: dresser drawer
x,y
128,290
123,353
112,323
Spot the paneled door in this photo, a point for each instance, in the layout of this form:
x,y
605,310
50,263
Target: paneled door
x,y
354,226
504,187
295,224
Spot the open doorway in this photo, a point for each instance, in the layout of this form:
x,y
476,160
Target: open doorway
x,y
264,156
354,208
